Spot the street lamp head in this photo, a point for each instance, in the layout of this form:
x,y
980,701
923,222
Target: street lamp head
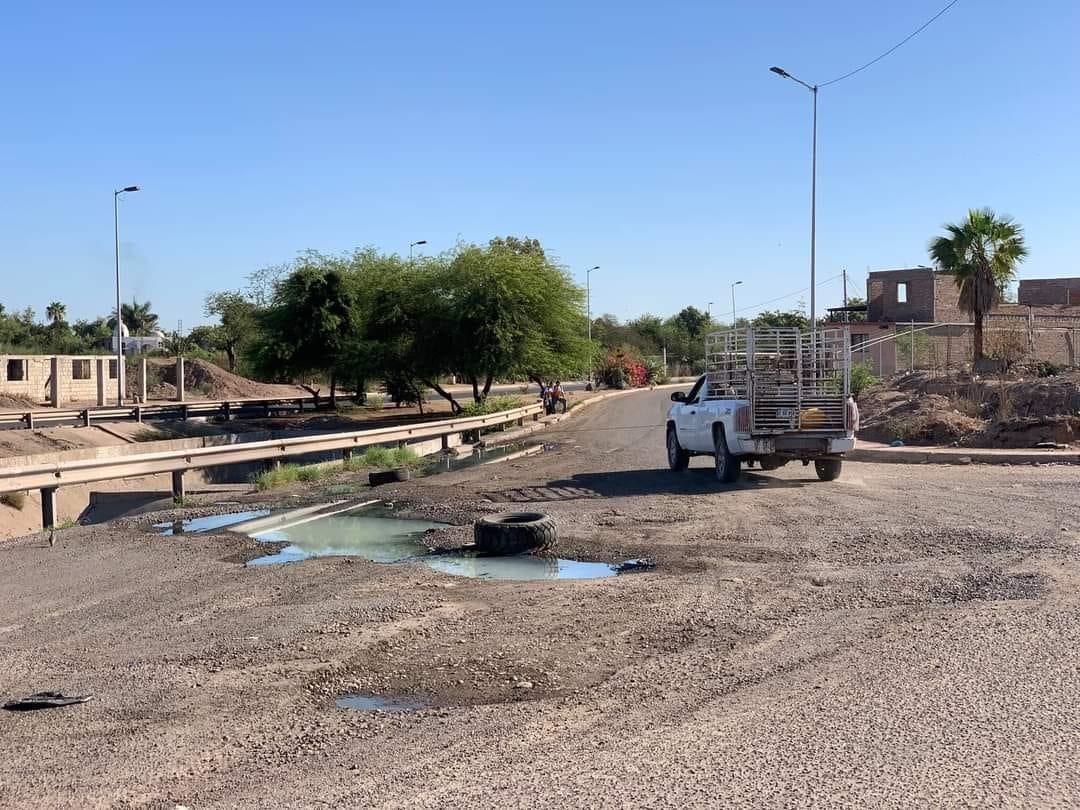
x,y
421,242
128,188
594,268
779,71
736,284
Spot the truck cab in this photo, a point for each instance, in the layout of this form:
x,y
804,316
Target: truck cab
x,y
769,396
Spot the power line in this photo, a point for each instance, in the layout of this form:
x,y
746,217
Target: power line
x,y
904,41
789,295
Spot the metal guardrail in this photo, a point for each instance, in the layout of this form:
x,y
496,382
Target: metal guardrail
x,y
139,413
82,471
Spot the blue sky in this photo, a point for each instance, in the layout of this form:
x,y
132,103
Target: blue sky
x,y
648,138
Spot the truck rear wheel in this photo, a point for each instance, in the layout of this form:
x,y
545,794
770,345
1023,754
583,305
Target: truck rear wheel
x,y
677,458
828,469
727,465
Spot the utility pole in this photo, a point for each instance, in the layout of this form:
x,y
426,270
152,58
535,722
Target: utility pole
x,y
119,317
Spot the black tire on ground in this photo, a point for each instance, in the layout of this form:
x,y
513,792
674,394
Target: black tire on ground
x,y
727,465
828,469
677,458
387,477
515,533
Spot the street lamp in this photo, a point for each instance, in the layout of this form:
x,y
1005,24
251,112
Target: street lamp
x,y
813,88
414,244
733,286
588,299
588,314
119,318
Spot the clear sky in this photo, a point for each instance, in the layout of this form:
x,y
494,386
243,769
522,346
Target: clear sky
x,y
649,138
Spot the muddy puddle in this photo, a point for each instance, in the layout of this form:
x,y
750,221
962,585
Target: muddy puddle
x,y
376,703
374,532
484,455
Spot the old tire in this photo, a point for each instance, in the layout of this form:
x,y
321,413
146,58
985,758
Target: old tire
x,y
678,459
727,465
387,477
515,533
828,469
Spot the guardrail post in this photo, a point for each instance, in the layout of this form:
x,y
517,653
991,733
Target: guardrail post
x,y
29,419
402,444
140,379
85,416
102,375
521,422
300,405
266,408
48,507
178,491
445,442
138,414
180,379
227,409
346,456
183,412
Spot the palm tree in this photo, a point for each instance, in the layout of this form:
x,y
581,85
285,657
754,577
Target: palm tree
x,y
981,253
55,312
137,318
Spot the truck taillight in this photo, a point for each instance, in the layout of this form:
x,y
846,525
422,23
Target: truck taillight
x,y
742,419
852,415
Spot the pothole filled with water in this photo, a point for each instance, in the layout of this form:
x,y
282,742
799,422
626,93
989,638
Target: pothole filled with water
x,y
374,533
376,703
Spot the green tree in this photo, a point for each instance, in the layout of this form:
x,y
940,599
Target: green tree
x,y
981,253
778,318
693,321
138,318
55,312
309,322
519,247
237,316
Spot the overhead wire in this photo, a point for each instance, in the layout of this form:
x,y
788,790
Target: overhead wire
x,y
902,42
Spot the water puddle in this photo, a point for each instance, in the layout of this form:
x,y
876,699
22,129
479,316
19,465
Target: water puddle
x,y
373,532
485,455
376,538
209,523
374,703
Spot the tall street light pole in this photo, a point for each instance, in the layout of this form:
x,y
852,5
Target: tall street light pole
x,y
119,318
813,88
588,314
733,318
414,244
588,299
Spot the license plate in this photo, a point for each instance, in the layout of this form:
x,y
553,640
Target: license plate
x,y
786,413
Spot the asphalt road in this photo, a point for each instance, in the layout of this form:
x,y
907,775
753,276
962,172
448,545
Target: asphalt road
x,y
905,636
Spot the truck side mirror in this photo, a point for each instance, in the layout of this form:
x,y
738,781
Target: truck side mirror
x,y
678,396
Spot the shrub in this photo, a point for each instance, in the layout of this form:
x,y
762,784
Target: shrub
x,y
16,500
492,405
1046,369
622,367
862,377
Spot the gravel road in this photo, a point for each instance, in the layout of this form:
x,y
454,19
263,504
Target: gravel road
x,y
905,636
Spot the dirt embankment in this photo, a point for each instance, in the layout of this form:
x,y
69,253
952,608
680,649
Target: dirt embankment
x,y
1015,411
203,379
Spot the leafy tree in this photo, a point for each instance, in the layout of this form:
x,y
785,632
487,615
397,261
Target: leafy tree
x,y
778,318
693,321
55,312
519,247
237,315
981,253
309,323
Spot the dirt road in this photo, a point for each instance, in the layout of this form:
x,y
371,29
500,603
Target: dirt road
x,y
904,636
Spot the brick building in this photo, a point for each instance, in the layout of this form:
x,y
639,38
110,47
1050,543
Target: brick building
x,y
1048,315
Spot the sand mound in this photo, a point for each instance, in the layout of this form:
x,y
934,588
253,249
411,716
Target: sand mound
x,y
1016,411
206,380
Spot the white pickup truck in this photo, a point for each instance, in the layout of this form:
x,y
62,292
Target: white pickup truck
x,y
769,396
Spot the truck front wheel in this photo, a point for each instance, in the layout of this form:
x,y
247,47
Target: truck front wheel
x,y
727,465
677,458
828,469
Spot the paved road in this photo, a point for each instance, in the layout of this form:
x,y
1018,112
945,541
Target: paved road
x,y
905,636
